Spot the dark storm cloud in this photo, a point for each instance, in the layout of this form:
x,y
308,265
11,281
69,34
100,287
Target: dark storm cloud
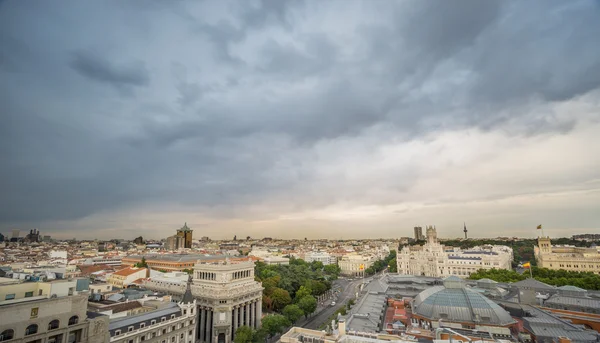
x,y
95,67
232,98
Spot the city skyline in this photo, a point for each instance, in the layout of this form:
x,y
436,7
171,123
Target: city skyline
x,y
527,233
300,119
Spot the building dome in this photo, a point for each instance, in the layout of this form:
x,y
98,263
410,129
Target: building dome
x,y
453,302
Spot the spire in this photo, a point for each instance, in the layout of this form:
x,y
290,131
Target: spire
x,y
465,229
188,298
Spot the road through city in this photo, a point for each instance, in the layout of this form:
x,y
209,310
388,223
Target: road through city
x,y
349,289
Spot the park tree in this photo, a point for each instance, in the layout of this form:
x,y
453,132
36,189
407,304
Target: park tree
x,y
292,313
393,266
316,265
302,292
308,305
142,263
270,284
244,334
280,298
274,324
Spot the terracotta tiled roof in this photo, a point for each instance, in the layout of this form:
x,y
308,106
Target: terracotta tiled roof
x,y
87,270
128,271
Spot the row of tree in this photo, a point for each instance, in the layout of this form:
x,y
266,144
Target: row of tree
x,y
379,265
586,280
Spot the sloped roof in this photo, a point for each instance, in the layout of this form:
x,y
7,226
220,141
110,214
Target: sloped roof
x,y
128,271
571,288
378,286
559,299
532,283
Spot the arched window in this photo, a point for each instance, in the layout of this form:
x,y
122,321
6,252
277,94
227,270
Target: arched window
x,y
31,329
7,335
73,320
53,325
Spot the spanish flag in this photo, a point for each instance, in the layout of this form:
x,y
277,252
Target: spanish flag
x,y
539,227
527,265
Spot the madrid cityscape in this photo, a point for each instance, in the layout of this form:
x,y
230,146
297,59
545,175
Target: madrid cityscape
x,y
299,171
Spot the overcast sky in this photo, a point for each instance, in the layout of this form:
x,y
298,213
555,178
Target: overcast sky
x,y
336,119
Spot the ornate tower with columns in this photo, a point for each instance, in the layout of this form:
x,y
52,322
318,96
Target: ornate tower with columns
x,y
227,297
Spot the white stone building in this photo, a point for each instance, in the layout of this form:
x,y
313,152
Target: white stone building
x,y
354,264
227,297
321,256
434,259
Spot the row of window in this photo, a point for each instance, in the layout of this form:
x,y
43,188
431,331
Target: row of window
x,y
207,276
27,295
143,325
158,333
32,329
576,266
241,274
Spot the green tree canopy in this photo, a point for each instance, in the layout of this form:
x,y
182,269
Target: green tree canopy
x,y
293,312
142,263
393,266
280,298
243,334
274,323
586,280
332,269
308,305
302,292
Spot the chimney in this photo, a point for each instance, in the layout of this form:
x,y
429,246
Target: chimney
x,y
563,339
342,328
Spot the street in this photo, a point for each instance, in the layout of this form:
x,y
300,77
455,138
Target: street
x,y
323,312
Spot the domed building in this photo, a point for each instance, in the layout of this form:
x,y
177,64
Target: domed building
x,y
456,305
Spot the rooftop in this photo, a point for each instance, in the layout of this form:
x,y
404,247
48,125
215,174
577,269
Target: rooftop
x,y
128,271
456,303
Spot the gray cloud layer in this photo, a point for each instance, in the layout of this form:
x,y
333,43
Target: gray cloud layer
x,y
254,109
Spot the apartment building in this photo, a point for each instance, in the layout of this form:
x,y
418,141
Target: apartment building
x,y
48,312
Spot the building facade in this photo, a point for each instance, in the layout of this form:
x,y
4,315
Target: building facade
x,y
434,259
570,258
174,323
44,313
321,256
227,297
354,265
